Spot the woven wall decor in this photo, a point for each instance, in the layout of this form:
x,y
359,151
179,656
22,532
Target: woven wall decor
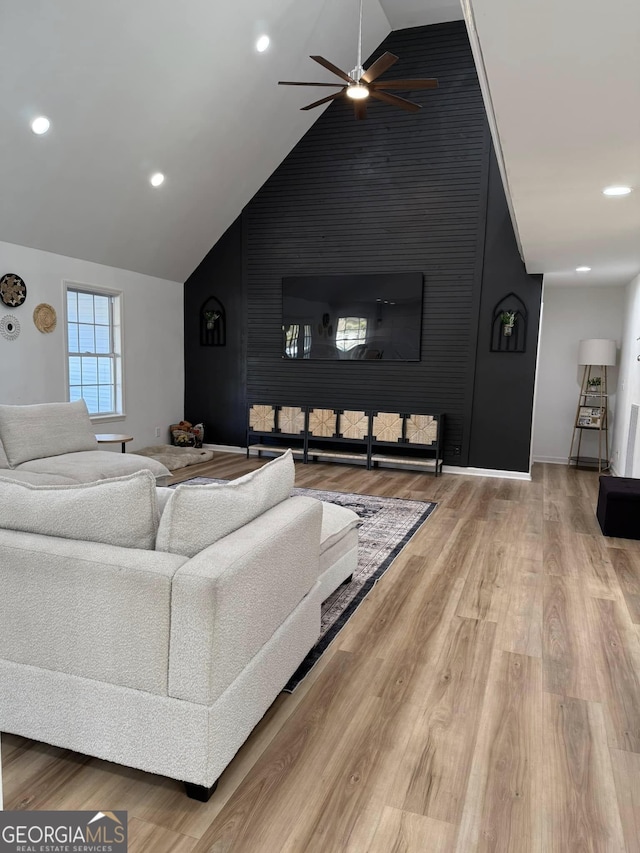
x,y
13,290
9,327
44,317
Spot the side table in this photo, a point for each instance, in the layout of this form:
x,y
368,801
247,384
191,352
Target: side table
x,y
114,438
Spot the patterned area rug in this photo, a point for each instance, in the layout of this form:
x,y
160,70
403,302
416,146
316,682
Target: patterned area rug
x,y
387,524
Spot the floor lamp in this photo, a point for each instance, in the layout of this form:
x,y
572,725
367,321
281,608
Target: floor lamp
x,y
592,409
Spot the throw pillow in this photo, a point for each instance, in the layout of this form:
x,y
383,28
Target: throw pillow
x,y
197,516
47,429
118,511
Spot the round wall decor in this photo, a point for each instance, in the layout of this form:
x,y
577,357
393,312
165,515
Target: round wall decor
x,y
13,290
44,317
9,327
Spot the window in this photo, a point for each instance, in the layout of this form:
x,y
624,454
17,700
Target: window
x,y
94,353
351,332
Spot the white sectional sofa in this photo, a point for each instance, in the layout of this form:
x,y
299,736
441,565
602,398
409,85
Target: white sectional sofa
x,y
154,627
54,444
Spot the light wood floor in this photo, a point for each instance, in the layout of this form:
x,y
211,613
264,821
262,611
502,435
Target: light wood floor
x,y
485,697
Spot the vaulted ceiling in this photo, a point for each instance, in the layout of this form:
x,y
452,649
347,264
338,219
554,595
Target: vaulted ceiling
x,y
132,88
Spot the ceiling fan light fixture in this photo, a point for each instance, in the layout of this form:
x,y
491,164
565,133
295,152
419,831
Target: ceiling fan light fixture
x,y
357,91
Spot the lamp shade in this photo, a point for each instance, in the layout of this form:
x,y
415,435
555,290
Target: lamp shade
x,y
597,351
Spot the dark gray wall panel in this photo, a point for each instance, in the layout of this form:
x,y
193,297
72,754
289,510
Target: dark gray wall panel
x,y
396,192
215,377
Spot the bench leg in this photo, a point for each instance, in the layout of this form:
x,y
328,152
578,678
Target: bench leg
x,y
199,792
347,580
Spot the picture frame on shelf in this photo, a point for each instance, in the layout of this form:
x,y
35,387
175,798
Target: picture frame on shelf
x,y
590,417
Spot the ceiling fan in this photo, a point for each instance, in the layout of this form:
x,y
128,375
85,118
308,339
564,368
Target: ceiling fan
x,y
360,84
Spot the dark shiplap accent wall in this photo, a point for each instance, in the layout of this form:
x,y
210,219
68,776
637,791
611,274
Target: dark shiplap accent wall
x,y
396,192
215,377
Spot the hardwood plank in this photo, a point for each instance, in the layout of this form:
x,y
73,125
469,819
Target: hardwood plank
x,y
520,623
485,587
147,838
405,832
502,804
619,674
579,556
626,773
580,807
571,660
432,775
626,565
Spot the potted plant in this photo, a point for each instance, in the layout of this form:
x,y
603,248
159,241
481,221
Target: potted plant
x,y
508,319
594,384
210,318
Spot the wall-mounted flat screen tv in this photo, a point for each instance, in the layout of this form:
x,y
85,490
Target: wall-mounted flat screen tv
x,y
352,317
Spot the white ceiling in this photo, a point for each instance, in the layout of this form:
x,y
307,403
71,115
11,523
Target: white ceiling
x,y
564,82
154,85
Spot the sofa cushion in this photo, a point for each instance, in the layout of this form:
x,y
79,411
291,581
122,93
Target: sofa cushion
x,y
87,466
36,479
195,517
337,521
47,429
121,511
4,462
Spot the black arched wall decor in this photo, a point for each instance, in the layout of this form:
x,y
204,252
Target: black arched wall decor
x,y
507,337
213,323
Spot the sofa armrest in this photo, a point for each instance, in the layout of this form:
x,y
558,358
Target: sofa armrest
x,y
229,599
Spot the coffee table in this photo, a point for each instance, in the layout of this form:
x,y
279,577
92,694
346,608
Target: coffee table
x,y
114,438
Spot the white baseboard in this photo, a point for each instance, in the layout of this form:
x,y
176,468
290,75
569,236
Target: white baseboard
x,y
486,472
225,448
552,460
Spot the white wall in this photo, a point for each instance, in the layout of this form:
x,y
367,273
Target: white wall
x,y
629,383
32,368
569,315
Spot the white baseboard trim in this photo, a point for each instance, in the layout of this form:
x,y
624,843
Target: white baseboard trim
x,y
486,472
225,448
552,460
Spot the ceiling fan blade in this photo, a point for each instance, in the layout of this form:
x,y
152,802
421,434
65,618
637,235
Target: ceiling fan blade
x,y
291,83
322,101
405,84
379,67
360,109
411,106
333,68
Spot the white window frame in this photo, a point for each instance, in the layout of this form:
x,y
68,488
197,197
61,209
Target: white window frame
x,y
117,332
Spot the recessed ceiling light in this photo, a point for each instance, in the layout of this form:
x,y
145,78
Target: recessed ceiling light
x,y
583,269
157,179
262,44
616,190
40,125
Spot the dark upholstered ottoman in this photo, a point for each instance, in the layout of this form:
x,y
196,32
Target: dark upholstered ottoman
x,y
619,507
